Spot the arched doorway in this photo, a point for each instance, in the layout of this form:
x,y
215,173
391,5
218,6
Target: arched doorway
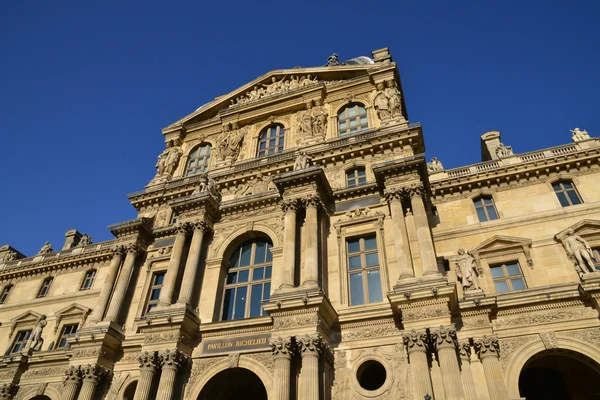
x,y
234,384
130,391
41,397
560,375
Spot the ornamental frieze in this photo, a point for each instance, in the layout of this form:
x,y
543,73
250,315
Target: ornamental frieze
x,y
41,372
370,333
416,314
590,336
161,337
546,317
296,321
89,352
200,366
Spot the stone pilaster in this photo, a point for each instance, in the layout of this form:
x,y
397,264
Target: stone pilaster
x,y
166,293
310,347
191,266
416,346
401,243
466,373
282,355
311,249
171,361
487,349
148,364
8,390
71,382
109,283
290,208
445,342
92,374
122,284
426,248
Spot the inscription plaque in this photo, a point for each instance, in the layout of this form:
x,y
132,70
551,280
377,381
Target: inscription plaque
x,y
236,344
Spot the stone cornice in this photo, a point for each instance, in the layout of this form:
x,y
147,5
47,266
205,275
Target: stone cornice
x,y
248,203
137,226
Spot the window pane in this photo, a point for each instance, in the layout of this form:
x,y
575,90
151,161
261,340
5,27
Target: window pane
x,y
497,272
501,287
154,294
240,302
487,201
267,291
268,273
246,250
354,262
269,254
492,213
228,305
372,259
513,269
353,245
356,290
518,284
351,183
374,282
231,277
243,276
563,199
158,279
481,215
259,256
362,180
478,203
258,273
574,198
352,112
567,185
255,298
370,243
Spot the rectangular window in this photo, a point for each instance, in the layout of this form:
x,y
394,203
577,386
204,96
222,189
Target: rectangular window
x,y
5,292
486,210
566,193
20,341
508,277
67,332
363,268
155,287
88,281
356,177
45,287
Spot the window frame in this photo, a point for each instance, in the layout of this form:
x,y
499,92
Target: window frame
x,y
64,336
356,170
251,282
506,278
47,285
364,268
484,207
6,290
565,192
22,342
596,254
86,279
280,133
150,304
346,132
195,169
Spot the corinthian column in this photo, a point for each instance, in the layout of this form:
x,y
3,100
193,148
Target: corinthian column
x,y
401,244
466,373
311,250
92,374
290,207
122,284
166,293
416,346
109,282
191,266
282,354
148,362
423,232
444,340
487,349
171,361
71,382
310,348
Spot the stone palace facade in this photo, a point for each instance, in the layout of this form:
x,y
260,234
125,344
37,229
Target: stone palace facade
x,y
296,244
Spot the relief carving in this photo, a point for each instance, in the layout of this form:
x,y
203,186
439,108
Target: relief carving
x,y
118,380
370,332
229,142
296,321
545,317
200,366
425,312
549,340
160,337
509,346
312,124
266,359
388,101
590,336
258,184
40,372
274,88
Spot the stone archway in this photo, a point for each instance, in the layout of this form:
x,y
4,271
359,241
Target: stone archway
x,y
560,374
233,384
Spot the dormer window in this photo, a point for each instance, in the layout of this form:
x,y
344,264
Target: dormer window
x,y
271,140
352,119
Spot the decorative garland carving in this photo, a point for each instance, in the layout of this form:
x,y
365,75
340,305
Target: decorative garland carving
x,y
425,312
546,317
296,321
509,346
370,333
591,336
161,337
40,372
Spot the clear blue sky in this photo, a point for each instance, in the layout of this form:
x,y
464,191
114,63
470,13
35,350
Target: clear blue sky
x,y
86,89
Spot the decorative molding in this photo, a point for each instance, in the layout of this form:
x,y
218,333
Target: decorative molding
x,y
549,340
370,333
546,317
509,346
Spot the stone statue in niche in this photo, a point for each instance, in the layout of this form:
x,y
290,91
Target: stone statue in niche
x,y
503,151
229,143
302,161
312,123
381,103
35,340
580,252
167,161
466,271
395,98
46,248
579,135
434,165
85,240
388,101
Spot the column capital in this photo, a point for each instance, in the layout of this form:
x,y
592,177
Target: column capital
x,y
201,225
487,346
310,345
148,360
183,228
444,336
118,250
172,359
414,190
72,375
313,200
464,348
292,205
415,340
8,390
93,372
282,347
133,248
391,194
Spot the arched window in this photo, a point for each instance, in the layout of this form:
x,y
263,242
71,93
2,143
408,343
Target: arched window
x,y
270,140
352,119
356,177
566,193
198,160
248,281
485,208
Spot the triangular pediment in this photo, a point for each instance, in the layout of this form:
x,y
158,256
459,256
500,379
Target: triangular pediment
x,y
73,309
27,316
295,81
500,242
586,228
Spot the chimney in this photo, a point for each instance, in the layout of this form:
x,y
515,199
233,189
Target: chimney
x,y
71,239
489,142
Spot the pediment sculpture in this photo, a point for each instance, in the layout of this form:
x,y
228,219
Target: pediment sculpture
x,y
275,87
388,101
229,143
312,123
